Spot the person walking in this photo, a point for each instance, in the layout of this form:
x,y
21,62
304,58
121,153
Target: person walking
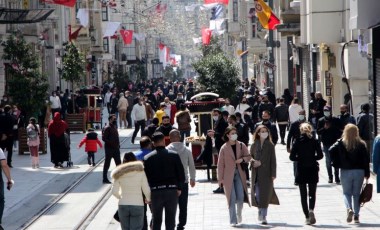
x,y
55,103
184,121
91,140
306,151
263,172
122,107
129,97
266,120
10,182
58,149
166,176
33,141
288,98
228,107
329,131
350,155
345,117
7,121
187,160
111,141
232,176
376,160
129,185
281,116
294,110
139,117
365,124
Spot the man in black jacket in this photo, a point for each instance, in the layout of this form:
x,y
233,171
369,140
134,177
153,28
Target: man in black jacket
x,y
265,105
281,115
110,137
365,125
7,121
129,108
272,127
166,175
294,133
329,130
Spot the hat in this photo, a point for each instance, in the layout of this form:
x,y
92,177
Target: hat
x,y
157,136
327,108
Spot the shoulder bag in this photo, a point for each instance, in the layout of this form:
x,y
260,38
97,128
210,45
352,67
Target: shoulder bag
x,y
365,194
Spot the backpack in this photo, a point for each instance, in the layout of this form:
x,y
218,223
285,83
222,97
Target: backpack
x,y
32,134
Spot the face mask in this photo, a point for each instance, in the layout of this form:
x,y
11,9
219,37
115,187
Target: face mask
x,y
14,113
301,117
227,104
244,102
233,137
215,118
179,97
265,120
342,112
114,122
264,135
326,113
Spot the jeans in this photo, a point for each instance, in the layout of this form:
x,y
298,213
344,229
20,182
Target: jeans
x,y
183,134
263,212
164,199
305,195
182,204
237,197
138,124
110,153
328,164
131,217
282,129
352,181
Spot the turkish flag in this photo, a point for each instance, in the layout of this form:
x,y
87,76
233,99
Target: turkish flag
x,y
206,36
127,36
225,2
69,3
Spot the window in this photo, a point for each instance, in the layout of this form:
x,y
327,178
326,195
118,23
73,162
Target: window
x,y
104,13
78,5
106,46
253,30
235,11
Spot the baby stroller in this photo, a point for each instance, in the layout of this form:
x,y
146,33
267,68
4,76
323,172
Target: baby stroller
x,y
67,143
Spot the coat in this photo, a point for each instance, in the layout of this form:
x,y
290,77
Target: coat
x,y
227,166
262,175
183,120
376,160
91,140
306,152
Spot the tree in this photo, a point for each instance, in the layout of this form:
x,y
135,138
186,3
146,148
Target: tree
x,y
26,85
217,72
73,64
121,79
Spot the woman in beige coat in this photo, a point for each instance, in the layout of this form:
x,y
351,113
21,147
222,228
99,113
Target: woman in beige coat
x,y
129,184
263,172
232,176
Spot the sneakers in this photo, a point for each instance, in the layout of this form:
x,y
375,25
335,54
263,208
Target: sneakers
x,y
106,181
239,219
312,217
350,213
308,222
330,181
337,182
356,220
219,190
264,220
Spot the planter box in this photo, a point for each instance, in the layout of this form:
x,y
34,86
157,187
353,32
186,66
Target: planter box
x,y
23,146
76,122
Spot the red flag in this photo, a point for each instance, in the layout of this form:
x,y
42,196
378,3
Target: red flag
x,y
73,36
69,3
206,36
127,36
225,2
266,16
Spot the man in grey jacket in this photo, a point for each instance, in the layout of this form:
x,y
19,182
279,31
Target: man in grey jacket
x,y
188,164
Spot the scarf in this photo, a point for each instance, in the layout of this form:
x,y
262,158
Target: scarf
x,y
57,126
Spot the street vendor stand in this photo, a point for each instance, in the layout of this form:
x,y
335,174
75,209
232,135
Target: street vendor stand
x,y
203,104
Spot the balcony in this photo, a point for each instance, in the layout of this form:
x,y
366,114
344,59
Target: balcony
x,y
291,19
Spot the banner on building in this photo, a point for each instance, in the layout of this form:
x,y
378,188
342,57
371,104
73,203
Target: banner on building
x,y
127,36
206,36
266,17
225,2
68,3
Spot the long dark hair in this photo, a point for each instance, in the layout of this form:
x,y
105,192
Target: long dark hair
x,y
129,157
34,121
228,130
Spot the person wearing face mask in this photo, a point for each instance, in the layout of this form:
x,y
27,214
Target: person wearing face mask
x,y
138,114
179,100
165,128
171,95
265,105
345,117
265,120
55,103
294,133
329,130
232,176
281,115
263,172
316,109
228,107
243,106
110,137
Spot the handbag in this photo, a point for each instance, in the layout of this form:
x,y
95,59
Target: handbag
x,y
116,216
365,194
243,164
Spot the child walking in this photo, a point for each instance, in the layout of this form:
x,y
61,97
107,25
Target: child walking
x,y
91,140
33,133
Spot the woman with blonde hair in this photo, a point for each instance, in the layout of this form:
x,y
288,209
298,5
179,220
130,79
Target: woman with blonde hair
x,y
263,172
231,175
350,155
306,151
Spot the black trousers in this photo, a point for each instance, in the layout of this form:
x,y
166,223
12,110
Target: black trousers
x,y
91,156
305,195
282,131
110,153
182,204
164,199
129,118
7,144
138,125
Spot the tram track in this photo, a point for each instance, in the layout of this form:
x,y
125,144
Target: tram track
x,y
90,214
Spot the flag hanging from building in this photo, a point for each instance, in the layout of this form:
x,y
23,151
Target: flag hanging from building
x,y
127,36
69,3
83,16
164,54
74,35
225,2
111,28
206,36
266,17
217,12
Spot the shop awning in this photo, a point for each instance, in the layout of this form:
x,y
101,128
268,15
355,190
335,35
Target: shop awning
x,y
20,16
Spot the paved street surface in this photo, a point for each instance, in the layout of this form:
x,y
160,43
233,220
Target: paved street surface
x,y
34,189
